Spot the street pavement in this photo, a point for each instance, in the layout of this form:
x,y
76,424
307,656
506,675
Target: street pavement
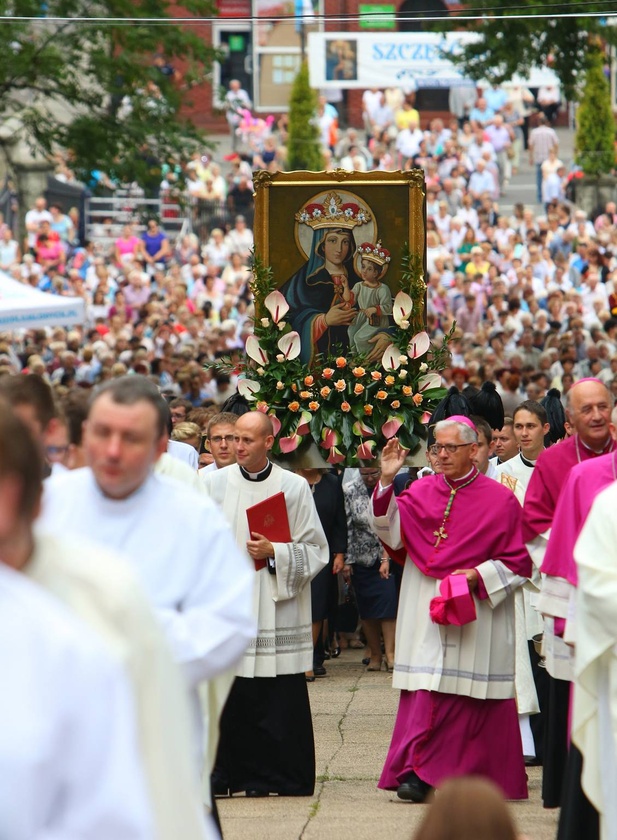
x,y
522,186
353,716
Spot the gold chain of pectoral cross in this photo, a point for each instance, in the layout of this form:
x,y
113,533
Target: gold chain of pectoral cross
x,y
440,533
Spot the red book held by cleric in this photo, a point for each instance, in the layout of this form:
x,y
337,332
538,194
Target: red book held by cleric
x,y
269,518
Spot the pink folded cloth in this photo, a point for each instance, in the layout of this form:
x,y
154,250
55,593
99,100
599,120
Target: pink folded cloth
x,y
455,605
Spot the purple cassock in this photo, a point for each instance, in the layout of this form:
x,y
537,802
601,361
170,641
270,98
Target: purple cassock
x,y
583,484
547,480
457,714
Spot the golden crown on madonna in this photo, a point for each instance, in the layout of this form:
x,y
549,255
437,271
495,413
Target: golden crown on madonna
x,y
333,212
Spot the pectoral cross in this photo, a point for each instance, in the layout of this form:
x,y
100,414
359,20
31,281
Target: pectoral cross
x,y
440,534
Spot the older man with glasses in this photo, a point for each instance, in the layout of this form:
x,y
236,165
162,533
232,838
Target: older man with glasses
x,y
457,712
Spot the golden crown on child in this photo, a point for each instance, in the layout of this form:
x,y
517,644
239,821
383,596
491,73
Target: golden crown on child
x,y
376,253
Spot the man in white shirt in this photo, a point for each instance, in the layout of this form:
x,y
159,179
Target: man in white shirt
x,y
39,213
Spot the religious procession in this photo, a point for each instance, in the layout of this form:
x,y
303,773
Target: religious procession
x,y
308,473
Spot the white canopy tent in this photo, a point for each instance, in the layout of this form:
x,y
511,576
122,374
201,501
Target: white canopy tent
x,y
23,307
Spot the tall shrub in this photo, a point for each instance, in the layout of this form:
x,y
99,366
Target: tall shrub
x,y
595,132
303,145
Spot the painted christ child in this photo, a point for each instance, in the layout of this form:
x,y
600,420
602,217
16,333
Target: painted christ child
x,y
371,297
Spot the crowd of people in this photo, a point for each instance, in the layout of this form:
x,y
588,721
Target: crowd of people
x,y
535,306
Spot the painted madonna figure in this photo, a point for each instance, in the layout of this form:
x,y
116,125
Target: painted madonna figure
x,y
317,292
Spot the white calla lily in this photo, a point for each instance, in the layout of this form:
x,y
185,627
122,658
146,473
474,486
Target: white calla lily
x,y
289,344
248,388
255,351
391,358
419,345
276,305
429,380
401,309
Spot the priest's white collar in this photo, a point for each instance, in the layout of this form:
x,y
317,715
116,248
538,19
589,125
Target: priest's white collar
x,y
262,475
607,446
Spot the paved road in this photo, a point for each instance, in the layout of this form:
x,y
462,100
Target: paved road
x,y
353,713
522,187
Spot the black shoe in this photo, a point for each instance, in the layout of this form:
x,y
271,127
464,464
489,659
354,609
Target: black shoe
x,y
366,660
319,671
219,786
256,794
413,789
532,761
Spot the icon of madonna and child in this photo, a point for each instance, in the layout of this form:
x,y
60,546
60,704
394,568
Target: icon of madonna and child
x,y
337,298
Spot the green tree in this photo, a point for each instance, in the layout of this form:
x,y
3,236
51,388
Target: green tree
x,y
595,124
303,145
508,46
100,89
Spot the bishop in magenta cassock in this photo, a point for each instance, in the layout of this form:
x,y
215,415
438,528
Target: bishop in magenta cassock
x,y
457,682
588,409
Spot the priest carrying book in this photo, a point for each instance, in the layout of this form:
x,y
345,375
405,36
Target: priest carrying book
x,y
266,744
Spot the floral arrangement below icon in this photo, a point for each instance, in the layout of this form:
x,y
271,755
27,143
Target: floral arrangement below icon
x,y
348,406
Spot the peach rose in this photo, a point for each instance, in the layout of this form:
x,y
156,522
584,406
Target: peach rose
x,y
345,406
308,381
280,386
417,398
381,395
368,410
376,375
358,371
305,395
389,380
328,373
313,406
407,390
358,388
325,391
340,385
395,404
294,388
341,362
294,406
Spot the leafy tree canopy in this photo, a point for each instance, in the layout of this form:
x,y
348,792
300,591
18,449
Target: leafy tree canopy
x,y
509,45
103,91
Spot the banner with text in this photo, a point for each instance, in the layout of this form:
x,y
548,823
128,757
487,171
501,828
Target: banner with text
x,y
408,60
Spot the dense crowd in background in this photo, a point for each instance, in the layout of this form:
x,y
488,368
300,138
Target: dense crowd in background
x,y
532,293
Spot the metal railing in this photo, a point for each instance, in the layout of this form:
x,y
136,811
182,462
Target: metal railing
x,y
107,215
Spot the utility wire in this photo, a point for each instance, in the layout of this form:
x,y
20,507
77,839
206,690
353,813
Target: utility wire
x,y
486,14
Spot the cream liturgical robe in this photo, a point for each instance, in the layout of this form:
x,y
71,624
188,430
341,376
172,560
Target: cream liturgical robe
x,y
515,475
477,659
594,722
184,556
103,591
282,601
69,765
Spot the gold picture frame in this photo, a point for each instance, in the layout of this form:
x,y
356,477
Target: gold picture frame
x,y
293,210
